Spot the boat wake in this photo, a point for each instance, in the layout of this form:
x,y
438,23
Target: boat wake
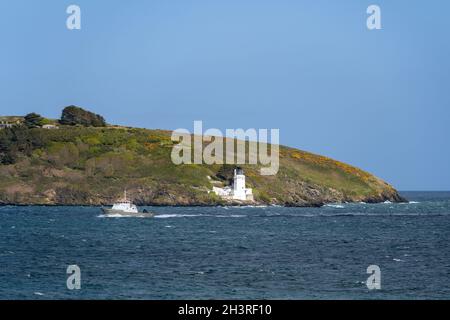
x,y
339,206
167,216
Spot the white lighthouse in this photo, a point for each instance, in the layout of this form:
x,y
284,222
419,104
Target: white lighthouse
x,y
237,191
239,185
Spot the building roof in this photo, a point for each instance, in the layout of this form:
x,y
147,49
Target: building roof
x,y
10,119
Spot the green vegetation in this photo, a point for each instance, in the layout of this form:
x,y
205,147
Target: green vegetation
x,y
33,120
92,165
226,173
73,115
18,141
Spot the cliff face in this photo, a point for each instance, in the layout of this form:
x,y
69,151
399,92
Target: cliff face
x,y
92,166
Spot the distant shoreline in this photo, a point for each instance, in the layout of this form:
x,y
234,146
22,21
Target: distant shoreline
x,y
196,205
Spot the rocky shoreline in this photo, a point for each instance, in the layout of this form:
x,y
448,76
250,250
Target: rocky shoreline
x,y
394,198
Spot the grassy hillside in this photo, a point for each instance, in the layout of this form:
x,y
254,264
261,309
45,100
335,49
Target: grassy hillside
x,y
87,165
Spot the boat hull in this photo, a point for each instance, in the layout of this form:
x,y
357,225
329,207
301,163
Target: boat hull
x,y
115,213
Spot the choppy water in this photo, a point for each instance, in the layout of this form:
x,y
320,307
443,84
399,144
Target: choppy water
x,y
236,253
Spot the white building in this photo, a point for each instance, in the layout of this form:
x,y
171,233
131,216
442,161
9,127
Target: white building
x,y
4,124
237,191
9,122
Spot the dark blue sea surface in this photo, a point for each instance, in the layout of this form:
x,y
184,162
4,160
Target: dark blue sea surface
x,y
230,253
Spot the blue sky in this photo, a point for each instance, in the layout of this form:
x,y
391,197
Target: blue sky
x,y
379,100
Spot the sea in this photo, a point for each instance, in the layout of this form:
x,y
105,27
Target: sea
x,y
229,252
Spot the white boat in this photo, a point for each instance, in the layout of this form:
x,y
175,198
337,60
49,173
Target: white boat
x,y
125,207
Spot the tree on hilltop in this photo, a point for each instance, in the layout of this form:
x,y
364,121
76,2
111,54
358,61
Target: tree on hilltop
x,y
73,115
33,120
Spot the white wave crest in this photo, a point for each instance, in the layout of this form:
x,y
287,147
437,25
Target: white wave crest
x,y
165,216
230,216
